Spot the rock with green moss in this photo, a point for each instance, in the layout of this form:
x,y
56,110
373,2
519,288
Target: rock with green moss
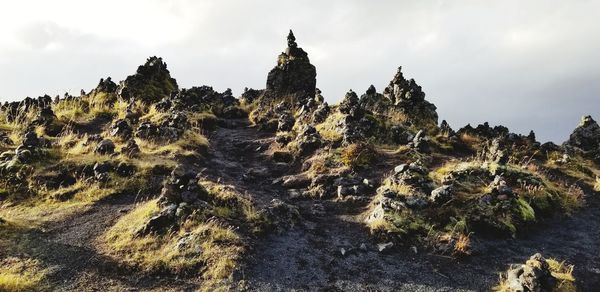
x,y
151,82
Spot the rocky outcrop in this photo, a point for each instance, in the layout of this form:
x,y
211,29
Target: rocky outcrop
x,y
17,109
408,102
586,136
294,74
293,80
106,85
181,194
151,82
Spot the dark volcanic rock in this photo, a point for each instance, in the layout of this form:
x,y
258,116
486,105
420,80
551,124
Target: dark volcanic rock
x,y
105,147
121,128
586,136
292,80
151,82
408,99
106,85
294,74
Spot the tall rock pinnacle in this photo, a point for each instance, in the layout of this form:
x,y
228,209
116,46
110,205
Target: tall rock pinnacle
x,y
293,75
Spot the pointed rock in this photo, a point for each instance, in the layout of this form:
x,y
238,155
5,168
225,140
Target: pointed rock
x,y
150,83
586,136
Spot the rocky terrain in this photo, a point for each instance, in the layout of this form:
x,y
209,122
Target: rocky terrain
x,y
144,185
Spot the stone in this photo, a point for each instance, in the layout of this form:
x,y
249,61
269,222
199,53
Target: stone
x,y
282,215
4,139
283,156
293,74
350,105
407,100
534,275
401,168
131,149
446,130
286,122
159,223
182,186
121,128
383,247
31,140
321,113
296,181
101,171
308,140
441,195
106,85
293,79
125,169
105,147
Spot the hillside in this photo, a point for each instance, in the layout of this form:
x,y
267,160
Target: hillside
x,y
143,185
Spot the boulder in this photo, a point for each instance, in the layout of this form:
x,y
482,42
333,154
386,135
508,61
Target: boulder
x,y
105,147
121,128
441,195
131,149
534,276
4,139
286,122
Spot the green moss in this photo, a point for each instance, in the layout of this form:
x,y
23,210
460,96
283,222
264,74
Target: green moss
x,y
525,210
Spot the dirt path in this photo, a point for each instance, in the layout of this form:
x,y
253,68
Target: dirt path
x,y
70,249
310,257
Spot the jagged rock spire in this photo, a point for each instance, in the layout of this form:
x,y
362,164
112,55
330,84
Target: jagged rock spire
x,y
151,82
291,40
293,74
586,136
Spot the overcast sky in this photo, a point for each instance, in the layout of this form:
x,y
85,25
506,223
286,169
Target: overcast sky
x,y
523,64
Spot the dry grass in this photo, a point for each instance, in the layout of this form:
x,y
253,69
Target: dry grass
x,y
210,249
357,155
21,274
188,144
329,129
562,272
597,184
18,273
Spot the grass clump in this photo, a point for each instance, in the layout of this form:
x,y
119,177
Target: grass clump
x,y
208,248
329,129
357,155
21,274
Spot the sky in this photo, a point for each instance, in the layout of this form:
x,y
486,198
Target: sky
x,y
528,65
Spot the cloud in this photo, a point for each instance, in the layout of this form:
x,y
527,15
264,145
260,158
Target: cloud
x,y
524,64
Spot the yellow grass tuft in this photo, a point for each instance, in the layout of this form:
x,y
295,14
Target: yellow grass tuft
x,y
21,274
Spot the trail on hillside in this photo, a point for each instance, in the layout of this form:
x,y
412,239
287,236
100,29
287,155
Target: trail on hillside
x,y
331,249
70,248
309,257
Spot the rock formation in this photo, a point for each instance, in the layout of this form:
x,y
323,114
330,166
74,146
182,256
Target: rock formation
x,y
586,136
293,80
151,82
